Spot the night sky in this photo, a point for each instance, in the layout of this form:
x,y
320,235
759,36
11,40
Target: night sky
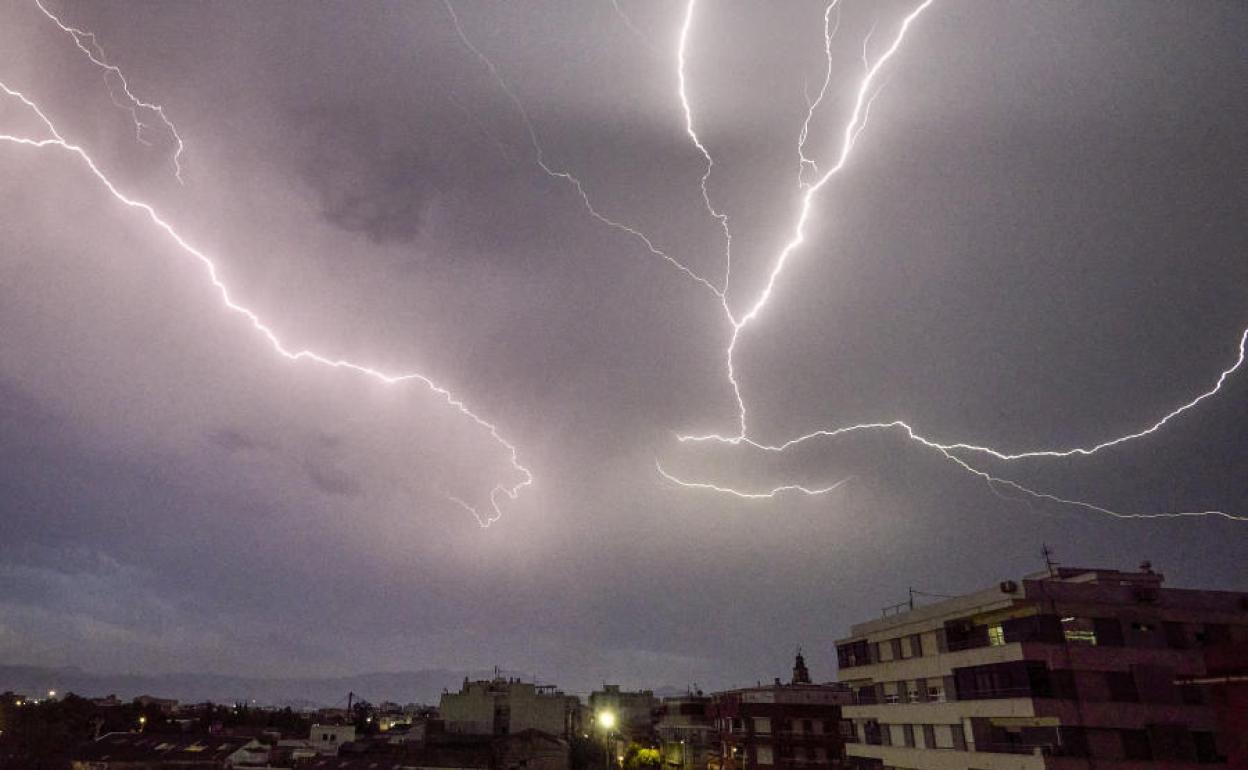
x,y
1037,242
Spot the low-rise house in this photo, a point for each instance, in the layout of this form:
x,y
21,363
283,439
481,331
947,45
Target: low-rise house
x,y
148,751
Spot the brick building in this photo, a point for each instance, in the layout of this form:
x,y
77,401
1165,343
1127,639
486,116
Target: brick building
x,y
1071,668
780,726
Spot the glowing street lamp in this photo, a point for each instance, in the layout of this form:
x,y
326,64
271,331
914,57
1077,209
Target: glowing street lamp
x,y
606,720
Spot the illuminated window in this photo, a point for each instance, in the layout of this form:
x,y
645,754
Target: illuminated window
x,y
1079,630
996,635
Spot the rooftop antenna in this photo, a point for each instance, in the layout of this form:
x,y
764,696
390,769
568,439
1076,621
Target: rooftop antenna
x,y
1049,563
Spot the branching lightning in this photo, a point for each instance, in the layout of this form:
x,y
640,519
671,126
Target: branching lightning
x,y
811,181
57,141
693,136
565,176
804,163
865,95
135,105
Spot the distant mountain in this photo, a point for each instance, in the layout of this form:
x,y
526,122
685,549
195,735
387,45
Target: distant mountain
x,y
423,686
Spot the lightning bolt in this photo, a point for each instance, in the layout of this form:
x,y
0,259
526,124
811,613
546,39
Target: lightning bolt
x,y
804,163
765,495
56,141
866,93
681,51
136,104
566,176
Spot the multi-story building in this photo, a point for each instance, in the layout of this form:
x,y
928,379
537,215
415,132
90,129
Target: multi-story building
x,y
502,706
685,732
1069,668
780,726
633,711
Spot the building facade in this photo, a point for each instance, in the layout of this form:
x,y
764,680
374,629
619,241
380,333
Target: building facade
x,y
503,706
1071,668
634,711
685,732
780,726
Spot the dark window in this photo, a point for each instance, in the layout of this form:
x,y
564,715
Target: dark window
x,y
1015,679
872,734
1176,635
1033,628
916,645
1135,744
920,688
929,736
1108,632
896,645
853,654
807,726
1122,686
1063,684
1206,748
1072,742
964,635
907,732
1217,633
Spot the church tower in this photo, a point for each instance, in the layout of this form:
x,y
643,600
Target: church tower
x,y
800,674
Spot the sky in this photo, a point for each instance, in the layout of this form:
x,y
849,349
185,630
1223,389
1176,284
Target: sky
x,y
1037,242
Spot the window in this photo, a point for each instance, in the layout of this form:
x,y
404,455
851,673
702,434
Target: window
x,y
916,645
763,756
907,735
1122,686
1206,748
898,735
853,654
929,737
936,693
1135,745
1176,635
1078,630
1192,694
996,635
943,735
762,725
807,726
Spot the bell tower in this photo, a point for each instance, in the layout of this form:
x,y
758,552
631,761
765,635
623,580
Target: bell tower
x,y
800,674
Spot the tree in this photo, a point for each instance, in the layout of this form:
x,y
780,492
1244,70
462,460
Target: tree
x,y
638,757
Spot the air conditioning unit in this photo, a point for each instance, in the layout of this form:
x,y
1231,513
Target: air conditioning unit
x,y
1009,587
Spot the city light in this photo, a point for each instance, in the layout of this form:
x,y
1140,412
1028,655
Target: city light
x,y
606,719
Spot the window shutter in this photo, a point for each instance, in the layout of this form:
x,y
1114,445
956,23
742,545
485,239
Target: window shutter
x,y
959,738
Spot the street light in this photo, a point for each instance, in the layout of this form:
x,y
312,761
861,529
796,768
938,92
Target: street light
x,y
606,720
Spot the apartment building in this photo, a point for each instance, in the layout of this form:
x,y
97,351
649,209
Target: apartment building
x,y
633,711
1070,668
794,726
503,706
685,732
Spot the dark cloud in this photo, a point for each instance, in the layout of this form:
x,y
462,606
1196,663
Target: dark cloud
x,y
332,481
368,181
